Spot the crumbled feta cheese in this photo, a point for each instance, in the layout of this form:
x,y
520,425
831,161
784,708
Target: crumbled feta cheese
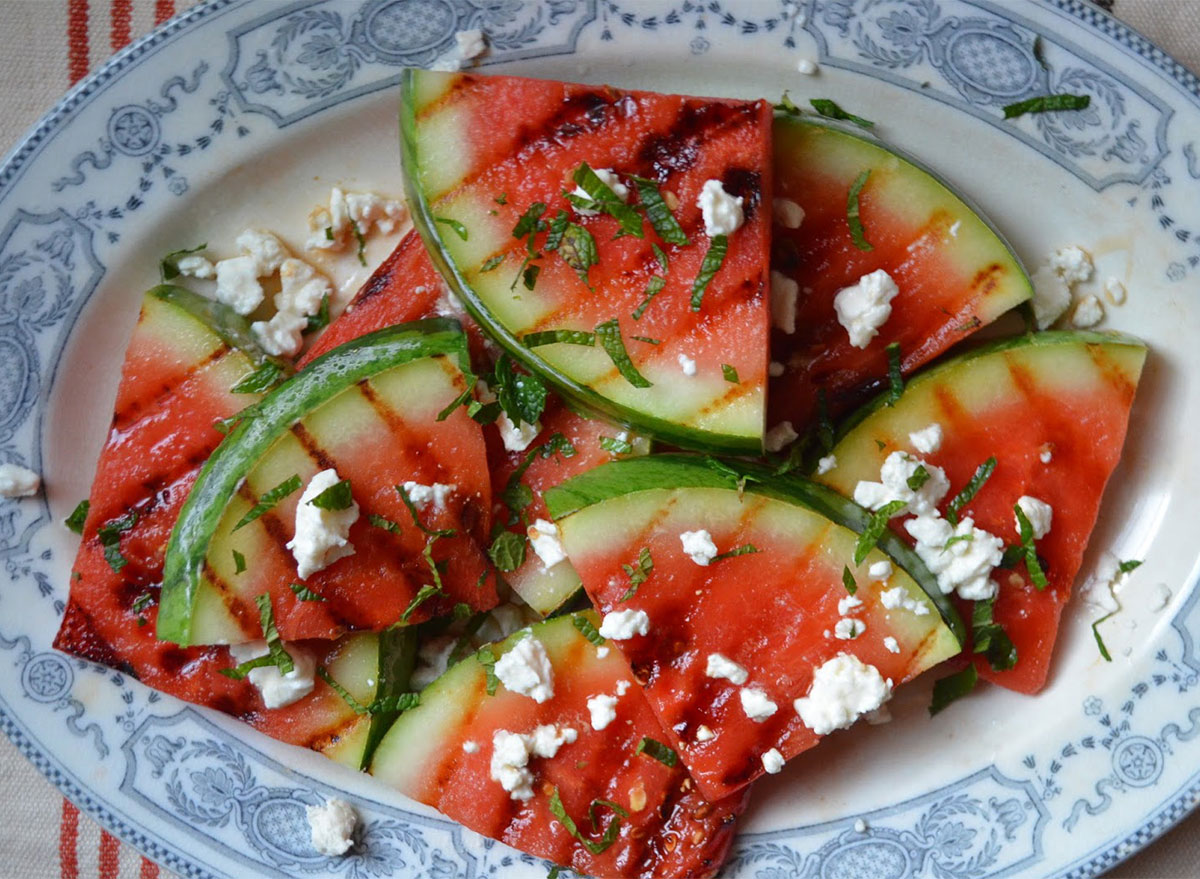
x,y
433,658
704,734
367,209
18,481
609,178
1114,291
784,295
898,468
1161,597
265,248
332,227
278,689
1072,264
1046,455
511,753
756,704
424,495
525,669
722,212
1051,296
687,364
622,687
847,629
847,603
775,369
806,66
963,566
860,826
237,284
601,652
621,625
470,747
603,709
699,546
322,536
282,335
302,288
891,644
772,761
517,438
544,538
720,667
1088,313
880,570
897,598
843,689
471,44
927,440
787,213
864,307
779,436
1038,512
331,826
824,465
196,266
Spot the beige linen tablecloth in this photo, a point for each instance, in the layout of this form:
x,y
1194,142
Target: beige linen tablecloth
x,y
48,45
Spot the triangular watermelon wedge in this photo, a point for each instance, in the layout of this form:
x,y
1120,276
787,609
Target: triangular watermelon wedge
x,y
953,271
1053,409
763,616
489,163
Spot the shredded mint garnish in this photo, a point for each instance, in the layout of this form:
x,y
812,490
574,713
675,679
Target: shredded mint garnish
x,y
990,639
919,477
602,198
362,243
1032,562
507,551
653,288
398,702
969,490
609,837
320,320
615,445
575,245
713,259
553,337
874,530
78,516
416,516
787,106
588,630
269,500
455,226
746,549
1099,640
239,562
1131,564
852,212
336,497
637,573
609,336
168,266
521,395
1047,104
110,538
647,340
730,373
661,256
660,752
830,110
382,522
491,263
952,688
304,593
487,658
848,580
260,380
660,217
276,656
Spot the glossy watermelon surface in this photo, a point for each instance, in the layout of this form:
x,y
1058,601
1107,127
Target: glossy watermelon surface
x,y
954,273
771,610
440,753
1053,409
480,151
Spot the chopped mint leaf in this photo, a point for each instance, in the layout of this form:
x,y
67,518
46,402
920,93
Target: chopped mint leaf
x,y
852,212
1047,104
78,516
661,256
830,110
507,551
1032,562
239,563
304,593
787,106
746,549
110,538
990,639
521,395
730,373
606,841
660,752
320,320
647,340
269,500
605,200
260,380
362,244
952,688
653,288
615,445
502,198
964,497
277,655
487,658
713,259
529,276
919,477
874,530
416,517
168,266
609,336
660,216
637,573
491,263
588,630
1130,565
455,226
848,580
1099,640
564,337
336,497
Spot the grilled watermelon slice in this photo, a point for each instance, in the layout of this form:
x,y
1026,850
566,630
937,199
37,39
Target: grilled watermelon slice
x,y
772,610
370,409
440,753
1053,409
954,272
480,152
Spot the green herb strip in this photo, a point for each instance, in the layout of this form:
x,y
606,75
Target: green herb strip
x,y
653,287
491,263
1047,104
895,376
320,320
637,573
830,110
647,340
578,250
660,752
78,516
589,631
559,337
853,220
952,688
269,500
110,538
1129,565
383,522
609,336
276,656
1032,562
609,837
336,497
507,551
730,373
990,639
604,199
746,549
661,256
874,530
362,244
919,477
398,702
239,563
1099,640
168,266
848,580
964,497
304,593
521,395
615,445
455,226
487,658
713,260
660,216
260,380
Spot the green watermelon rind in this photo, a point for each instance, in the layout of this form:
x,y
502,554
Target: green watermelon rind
x,y
572,390
225,323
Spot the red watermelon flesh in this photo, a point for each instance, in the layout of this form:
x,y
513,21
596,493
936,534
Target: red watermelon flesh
x,y
953,272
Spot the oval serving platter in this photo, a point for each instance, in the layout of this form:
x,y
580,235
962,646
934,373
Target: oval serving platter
x,y
245,113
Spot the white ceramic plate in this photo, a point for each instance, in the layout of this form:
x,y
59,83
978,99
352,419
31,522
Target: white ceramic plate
x,y
246,112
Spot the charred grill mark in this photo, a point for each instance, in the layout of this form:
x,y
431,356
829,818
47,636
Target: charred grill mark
x,y
694,125
247,621
172,659
746,184
1114,376
125,418
386,278
332,735
78,635
312,447
578,114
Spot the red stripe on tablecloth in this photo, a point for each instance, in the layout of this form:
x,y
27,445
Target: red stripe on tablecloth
x,y
163,9
122,21
77,40
149,869
68,836
109,860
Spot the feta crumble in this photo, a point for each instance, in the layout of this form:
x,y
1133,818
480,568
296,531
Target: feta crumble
x,y
321,536
621,625
1046,455
756,704
470,747
848,628
544,538
525,669
517,437
699,546
423,496
898,468
603,709
237,284
704,734
1073,264
331,827
892,645
1051,296
787,213
719,666
511,753
332,227
824,465
1088,313
880,570
196,266
864,307
278,689
772,761
780,436
17,481
302,288
1038,512
843,689
1114,291
687,364
265,248
964,566
927,440
471,44
609,178
282,335
806,66
897,598
722,212
847,603
785,293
